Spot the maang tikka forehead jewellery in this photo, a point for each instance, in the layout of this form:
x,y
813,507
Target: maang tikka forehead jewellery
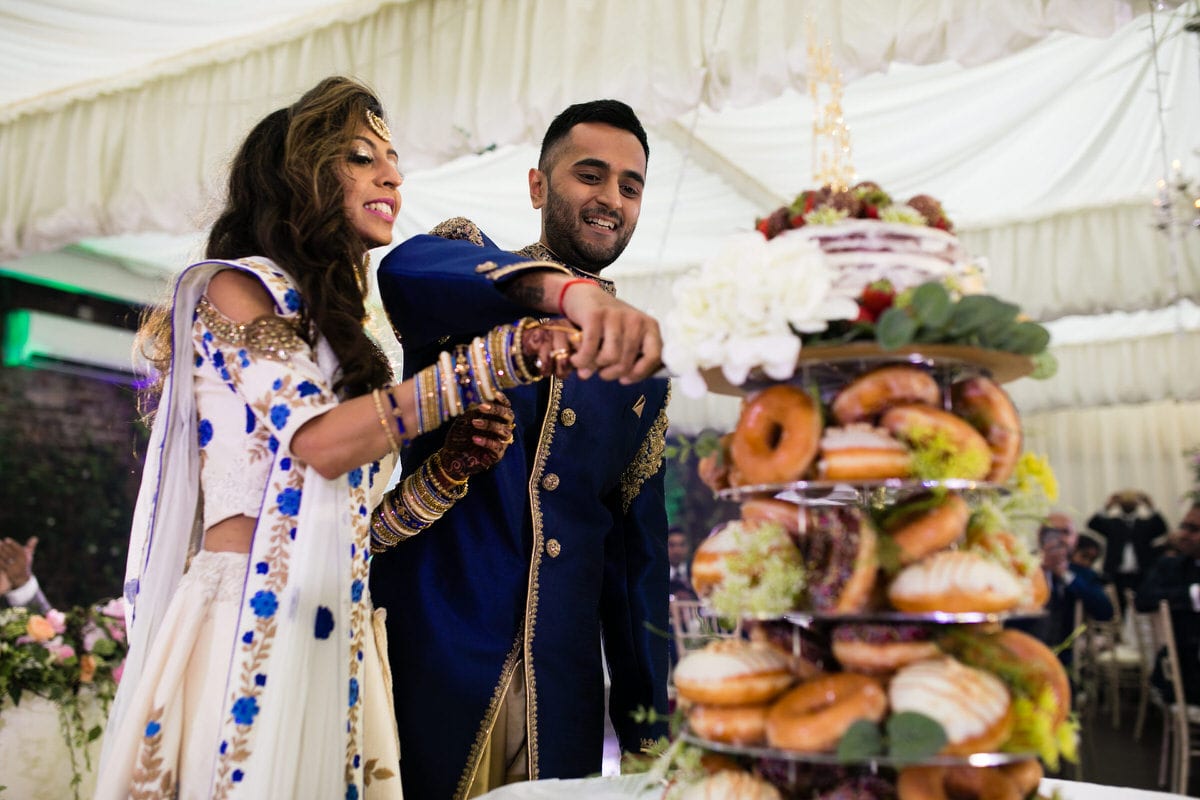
x,y
379,126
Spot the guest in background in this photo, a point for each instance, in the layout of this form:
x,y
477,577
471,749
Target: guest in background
x,y
1085,555
1068,584
1176,579
1129,525
18,584
679,554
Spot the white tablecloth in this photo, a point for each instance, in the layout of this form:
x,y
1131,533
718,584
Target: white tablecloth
x,y
624,787
35,763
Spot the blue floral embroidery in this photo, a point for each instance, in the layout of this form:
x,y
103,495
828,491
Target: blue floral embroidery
x,y
285,464
355,477
238,775
250,420
357,760
264,603
324,624
307,388
248,637
260,680
351,792
205,430
278,384
289,501
152,729
292,300
353,692
279,416
199,360
262,568
243,358
245,709
218,359
224,746
356,590
272,444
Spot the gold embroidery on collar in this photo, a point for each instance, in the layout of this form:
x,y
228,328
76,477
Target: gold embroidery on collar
x,y
648,461
459,228
541,252
489,720
268,336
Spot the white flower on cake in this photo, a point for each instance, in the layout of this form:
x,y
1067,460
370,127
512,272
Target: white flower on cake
x,y
744,308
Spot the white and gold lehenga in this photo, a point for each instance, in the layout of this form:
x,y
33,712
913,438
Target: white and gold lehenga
x,y
253,675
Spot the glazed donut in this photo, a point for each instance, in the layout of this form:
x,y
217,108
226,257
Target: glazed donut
x,y
960,450
733,672
981,402
1012,551
710,561
776,436
958,782
841,556
714,559
881,649
768,509
972,705
812,717
729,724
1031,652
731,785
1025,775
859,787
920,528
873,392
861,452
955,581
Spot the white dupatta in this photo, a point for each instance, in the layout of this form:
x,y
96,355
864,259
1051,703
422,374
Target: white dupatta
x,y
293,721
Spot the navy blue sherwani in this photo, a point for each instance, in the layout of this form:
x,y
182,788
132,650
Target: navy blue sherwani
x,y
561,544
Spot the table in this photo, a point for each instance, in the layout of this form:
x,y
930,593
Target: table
x,y
625,787
35,763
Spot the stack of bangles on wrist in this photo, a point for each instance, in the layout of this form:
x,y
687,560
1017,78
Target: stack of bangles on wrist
x,y
474,373
420,500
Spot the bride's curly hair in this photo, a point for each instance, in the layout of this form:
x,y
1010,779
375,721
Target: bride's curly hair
x,y
286,202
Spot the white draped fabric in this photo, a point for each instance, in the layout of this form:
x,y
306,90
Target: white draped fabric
x,y
1042,125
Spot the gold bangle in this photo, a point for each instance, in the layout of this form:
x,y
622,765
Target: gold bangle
x,y
383,420
436,461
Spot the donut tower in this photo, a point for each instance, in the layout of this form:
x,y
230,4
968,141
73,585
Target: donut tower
x,y
872,571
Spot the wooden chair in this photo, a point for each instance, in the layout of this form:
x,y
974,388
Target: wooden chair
x,y
1180,720
1119,664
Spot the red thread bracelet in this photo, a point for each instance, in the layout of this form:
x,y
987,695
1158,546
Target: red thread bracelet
x,y
562,295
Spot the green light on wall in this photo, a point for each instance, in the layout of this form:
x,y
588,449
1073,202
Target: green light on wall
x,y
16,339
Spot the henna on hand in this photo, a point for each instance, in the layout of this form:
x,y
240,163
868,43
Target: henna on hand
x,y
478,439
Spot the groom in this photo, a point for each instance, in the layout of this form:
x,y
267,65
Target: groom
x,y
497,612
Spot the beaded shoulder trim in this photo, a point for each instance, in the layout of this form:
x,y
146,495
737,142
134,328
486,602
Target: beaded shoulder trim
x,y
459,228
268,336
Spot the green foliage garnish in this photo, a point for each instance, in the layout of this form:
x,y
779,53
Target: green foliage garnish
x,y
910,737
766,576
862,740
930,314
914,737
935,455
